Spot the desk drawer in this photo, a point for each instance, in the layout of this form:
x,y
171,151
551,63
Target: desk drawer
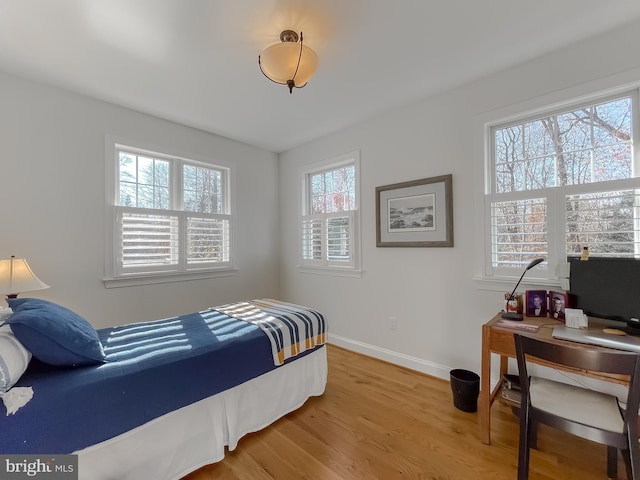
x,y
502,341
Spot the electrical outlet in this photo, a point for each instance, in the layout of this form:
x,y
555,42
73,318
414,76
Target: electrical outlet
x,y
393,324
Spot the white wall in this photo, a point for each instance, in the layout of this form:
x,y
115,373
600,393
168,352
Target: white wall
x,y
431,291
52,203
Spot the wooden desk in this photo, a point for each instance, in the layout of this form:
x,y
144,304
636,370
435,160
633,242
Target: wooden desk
x,y
499,340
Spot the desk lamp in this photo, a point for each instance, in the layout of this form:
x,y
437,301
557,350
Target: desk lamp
x,y
514,315
17,277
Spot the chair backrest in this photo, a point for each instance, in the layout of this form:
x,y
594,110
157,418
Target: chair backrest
x,y
595,359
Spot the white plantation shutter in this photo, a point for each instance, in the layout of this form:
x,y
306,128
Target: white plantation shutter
x,y
519,231
312,234
149,241
327,239
339,238
608,222
208,240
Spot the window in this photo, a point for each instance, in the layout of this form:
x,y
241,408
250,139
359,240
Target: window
x,y
562,181
329,220
170,215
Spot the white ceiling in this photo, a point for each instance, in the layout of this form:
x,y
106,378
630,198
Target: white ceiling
x,y
195,61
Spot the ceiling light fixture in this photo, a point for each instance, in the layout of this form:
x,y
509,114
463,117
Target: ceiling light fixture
x,y
290,62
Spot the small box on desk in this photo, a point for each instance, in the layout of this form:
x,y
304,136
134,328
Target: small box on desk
x,y
575,318
633,326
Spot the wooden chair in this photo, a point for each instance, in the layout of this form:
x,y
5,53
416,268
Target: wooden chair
x,y
589,414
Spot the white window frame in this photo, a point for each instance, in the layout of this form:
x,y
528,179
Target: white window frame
x,y
555,272
350,267
115,274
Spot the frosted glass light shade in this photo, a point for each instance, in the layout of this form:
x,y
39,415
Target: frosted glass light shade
x,y
279,63
16,277
289,63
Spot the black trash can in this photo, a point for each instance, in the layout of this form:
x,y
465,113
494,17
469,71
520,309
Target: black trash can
x,y
465,386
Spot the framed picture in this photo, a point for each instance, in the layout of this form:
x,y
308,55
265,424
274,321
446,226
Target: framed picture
x,y
536,303
558,301
415,214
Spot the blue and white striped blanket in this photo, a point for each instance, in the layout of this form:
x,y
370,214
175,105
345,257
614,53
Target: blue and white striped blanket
x,y
292,329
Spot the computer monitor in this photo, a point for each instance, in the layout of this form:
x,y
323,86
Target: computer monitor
x,y
606,287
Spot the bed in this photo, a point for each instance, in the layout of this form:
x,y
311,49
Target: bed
x,y
157,399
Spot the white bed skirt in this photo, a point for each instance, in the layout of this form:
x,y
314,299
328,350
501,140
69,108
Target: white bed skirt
x,y
171,446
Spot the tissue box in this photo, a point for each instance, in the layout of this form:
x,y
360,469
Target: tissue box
x,y
575,318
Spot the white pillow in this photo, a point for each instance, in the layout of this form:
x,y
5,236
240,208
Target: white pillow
x,y
14,358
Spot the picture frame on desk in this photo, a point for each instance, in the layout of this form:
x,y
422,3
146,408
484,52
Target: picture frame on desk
x,y
536,301
558,301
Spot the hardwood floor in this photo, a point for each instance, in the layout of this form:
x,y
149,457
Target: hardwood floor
x,y
380,421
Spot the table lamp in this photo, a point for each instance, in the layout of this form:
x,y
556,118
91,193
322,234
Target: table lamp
x,y
507,315
17,277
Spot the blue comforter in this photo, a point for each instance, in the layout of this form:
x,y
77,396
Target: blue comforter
x,y
152,368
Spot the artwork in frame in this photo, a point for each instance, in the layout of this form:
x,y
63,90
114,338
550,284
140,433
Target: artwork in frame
x,y
418,213
558,301
536,303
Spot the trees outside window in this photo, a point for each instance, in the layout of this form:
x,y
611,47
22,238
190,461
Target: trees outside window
x,y
564,181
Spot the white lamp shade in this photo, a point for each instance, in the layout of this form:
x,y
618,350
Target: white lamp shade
x,y
16,277
279,62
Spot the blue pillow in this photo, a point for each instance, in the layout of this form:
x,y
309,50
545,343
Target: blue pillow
x,y
54,334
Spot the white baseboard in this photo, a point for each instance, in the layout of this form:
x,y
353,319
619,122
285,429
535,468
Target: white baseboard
x,y
418,364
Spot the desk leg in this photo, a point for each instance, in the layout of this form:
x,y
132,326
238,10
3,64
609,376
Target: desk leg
x,y
504,365
484,399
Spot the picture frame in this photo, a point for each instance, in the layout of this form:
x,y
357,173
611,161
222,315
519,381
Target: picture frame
x,y
558,301
417,213
536,303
